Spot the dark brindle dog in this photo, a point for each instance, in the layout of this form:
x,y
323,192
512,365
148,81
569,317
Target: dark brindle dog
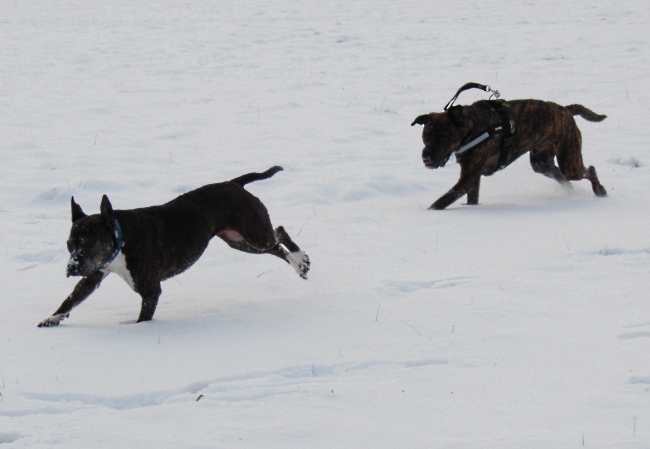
x,y
546,129
148,245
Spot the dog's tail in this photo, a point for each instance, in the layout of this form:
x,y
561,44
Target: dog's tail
x,y
587,114
252,177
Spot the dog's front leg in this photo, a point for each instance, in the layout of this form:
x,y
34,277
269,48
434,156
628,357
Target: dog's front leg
x,y
446,199
467,183
149,302
472,195
81,291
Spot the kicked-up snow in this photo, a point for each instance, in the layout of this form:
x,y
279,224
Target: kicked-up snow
x,y
523,322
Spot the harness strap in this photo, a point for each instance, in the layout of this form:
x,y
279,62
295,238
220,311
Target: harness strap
x,y
503,128
507,121
118,243
468,86
473,143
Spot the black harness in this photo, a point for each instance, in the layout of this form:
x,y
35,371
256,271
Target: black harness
x,y
502,124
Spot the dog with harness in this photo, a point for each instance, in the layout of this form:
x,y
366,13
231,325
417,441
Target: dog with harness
x,y
489,135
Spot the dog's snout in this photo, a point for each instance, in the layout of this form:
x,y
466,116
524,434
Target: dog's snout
x,y
426,158
72,269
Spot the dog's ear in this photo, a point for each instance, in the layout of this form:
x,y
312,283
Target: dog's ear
x,y
107,210
77,213
456,115
421,120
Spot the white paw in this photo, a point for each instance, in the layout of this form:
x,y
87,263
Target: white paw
x,y
54,320
300,262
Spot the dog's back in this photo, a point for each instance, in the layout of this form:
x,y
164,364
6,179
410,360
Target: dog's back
x,y
213,197
187,223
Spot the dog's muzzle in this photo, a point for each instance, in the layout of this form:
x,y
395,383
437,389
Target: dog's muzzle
x,y
74,266
430,162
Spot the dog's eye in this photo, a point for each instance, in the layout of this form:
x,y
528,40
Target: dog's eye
x,y
76,244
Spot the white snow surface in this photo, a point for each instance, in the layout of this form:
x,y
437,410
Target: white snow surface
x,y
523,322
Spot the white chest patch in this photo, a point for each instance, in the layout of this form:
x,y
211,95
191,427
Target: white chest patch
x,y
118,266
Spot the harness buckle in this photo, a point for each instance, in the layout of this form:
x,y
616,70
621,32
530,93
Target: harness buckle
x,y
493,93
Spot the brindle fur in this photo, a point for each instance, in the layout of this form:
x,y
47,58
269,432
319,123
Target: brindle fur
x,y
545,129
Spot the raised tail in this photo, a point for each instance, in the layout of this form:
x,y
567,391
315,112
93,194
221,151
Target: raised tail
x,y
251,177
587,114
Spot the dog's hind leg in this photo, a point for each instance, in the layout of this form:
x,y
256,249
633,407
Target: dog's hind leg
x,y
282,246
543,162
252,243
596,186
292,253
570,160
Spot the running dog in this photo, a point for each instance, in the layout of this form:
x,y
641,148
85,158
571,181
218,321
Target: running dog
x,y
491,134
148,245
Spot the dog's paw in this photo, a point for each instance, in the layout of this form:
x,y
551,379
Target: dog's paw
x,y
436,206
446,199
54,320
566,185
300,262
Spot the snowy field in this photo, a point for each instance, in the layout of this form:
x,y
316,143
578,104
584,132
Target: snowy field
x,y
520,323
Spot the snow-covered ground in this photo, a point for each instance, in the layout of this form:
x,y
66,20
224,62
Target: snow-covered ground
x,y
523,322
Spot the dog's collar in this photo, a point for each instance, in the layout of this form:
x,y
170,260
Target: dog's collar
x,y
118,242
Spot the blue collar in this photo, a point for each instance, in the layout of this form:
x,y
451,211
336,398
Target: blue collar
x,y
118,242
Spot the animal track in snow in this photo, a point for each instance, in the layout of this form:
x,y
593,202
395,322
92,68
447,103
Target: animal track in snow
x,y
636,334
628,257
245,387
632,335
411,286
9,437
621,251
631,162
640,380
116,402
39,258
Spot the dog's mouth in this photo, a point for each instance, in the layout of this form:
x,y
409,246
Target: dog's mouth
x,y
434,158
428,163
